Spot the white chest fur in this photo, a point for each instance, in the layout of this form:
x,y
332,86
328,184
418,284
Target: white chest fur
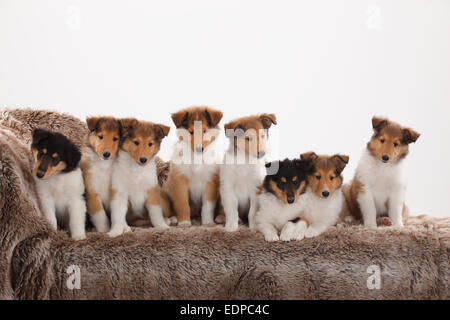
x,y
381,180
321,211
275,212
100,172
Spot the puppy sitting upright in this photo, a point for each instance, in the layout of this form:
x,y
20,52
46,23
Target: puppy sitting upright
x,y
323,202
96,164
193,181
59,181
244,167
278,199
378,187
134,178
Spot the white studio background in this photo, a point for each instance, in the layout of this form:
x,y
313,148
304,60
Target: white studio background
x,y
324,67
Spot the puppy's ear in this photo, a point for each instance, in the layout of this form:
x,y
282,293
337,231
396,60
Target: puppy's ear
x,y
340,161
40,135
409,135
92,123
267,119
161,131
309,156
233,128
379,123
72,157
127,124
212,116
180,119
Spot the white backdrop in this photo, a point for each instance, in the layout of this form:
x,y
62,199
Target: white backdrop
x,y
324,67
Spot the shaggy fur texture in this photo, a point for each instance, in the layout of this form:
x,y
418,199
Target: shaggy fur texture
x,y
200,262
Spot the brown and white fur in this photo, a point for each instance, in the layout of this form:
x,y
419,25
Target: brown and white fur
x,y
379,185
134,177
244,169
96,164
323,203
193,181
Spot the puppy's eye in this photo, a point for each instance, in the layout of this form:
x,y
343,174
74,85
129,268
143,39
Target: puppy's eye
x,y
150,144
249,139
318,177
395,144
136,143
191,132
331,177
382,140
115,139
100,137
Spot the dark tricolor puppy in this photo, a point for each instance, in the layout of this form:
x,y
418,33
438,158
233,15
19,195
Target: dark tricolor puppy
x,y
59,180
278,199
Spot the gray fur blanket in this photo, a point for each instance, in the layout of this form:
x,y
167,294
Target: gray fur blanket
x,y
346,262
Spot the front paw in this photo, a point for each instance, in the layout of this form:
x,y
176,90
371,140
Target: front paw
x,y
231,227
271,237
78,236
186,223
312,232
287,233
220,219
117,231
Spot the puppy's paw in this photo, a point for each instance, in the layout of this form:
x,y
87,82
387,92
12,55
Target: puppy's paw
x,y
78,236
162,227
271,237
384,221
312,232
115,232
231,227
186,223
287,233
220,219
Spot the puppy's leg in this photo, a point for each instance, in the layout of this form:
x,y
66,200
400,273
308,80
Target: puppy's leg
x,y
179,194
49,210
252,211
269,231
209,200
368,209
155,211
230,206
119,206
96,212
77,218
395,205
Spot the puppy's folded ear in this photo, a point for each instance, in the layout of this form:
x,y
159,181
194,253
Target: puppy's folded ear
x,y
267,119
340,161
180,119
233,128
72,157
409,135
161,131
92,123
128,124
212,116
40,135
308,156
379,123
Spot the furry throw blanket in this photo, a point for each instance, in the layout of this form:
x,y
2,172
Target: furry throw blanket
x,y
346,262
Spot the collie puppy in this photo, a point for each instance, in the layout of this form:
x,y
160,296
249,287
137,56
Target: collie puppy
x,y
378,187
244,169
59,181
192,184
96,164
323,203
278,199
134,182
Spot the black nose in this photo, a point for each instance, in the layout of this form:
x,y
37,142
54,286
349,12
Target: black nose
x,y
142,159
199,149
106,154
261,154
39,174
290,199
385,157
325,193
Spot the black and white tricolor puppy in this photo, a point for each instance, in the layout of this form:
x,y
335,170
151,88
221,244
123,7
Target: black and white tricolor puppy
x,y
59,181
277,201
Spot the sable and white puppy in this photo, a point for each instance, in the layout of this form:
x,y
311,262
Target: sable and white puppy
x,y
192,184
134,176
244,169
59,181
323,203
96,164
278,200
379,185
